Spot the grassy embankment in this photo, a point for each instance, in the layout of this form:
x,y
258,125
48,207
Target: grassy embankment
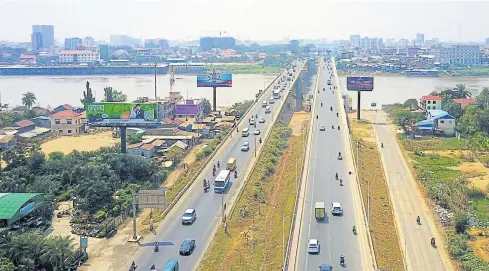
x,y
384,235
254,238
454,178
244,69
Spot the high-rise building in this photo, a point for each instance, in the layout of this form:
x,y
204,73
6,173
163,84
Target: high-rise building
x,y
403,42
459,54
42,36
371,43
72,43
207,43
164,44
355,40
89,41
487,41
104,52
124,40
419,38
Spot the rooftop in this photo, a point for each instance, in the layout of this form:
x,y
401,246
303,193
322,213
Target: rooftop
x,y
76,52
464,102
431,98
65,114
24,123
10,203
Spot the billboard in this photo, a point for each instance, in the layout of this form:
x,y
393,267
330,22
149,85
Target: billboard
x,y
360,83
215,80
121,114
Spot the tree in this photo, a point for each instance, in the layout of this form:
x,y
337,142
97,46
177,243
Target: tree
x,y
402,117
57,252
462,222
482,100
135,138
411,104
28,99
461,93
6,264
207,107
87,95
112,95
452,108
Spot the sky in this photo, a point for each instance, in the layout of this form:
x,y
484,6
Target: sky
x,y
247,19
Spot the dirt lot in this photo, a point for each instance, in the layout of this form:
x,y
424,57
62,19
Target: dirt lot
x,y
67,144
254,238
384,235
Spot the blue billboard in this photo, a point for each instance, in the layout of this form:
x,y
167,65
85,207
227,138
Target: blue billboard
x,y
360,83
215,80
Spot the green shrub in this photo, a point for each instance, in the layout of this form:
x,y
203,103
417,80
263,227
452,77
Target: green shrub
x,y
462,222
65,196
470,262
457,245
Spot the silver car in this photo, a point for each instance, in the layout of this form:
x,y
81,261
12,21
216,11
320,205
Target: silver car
x,y
256,132
245,147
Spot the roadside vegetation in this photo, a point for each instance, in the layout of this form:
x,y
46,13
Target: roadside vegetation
x,y
253,240
384,236
455,172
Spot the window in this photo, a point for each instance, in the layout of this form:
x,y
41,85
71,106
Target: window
x,y
57,121
69,131
434,102
429,107
442,121
60,131
450,121
429,102
68,121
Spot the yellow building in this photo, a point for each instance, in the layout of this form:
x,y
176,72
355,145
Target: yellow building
x,y
68,122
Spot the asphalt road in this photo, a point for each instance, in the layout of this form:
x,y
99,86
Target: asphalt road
x,y
207,205
408,204
335,232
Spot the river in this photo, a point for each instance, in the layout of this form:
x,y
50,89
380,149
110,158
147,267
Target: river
x,y
52,91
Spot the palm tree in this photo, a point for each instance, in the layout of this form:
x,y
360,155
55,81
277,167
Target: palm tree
x,y
28,99
461,93
57,251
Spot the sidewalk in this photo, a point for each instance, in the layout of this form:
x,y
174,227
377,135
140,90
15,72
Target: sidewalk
x,y
408,203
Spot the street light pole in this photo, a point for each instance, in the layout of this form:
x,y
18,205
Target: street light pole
x,y
255,145
222,206
283,237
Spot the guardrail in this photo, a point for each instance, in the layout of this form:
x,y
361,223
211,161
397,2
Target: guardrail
x,y
355,166
225,139
309,134
274,120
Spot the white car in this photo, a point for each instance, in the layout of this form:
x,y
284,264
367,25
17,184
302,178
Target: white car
x,y
313,246
245,147
322,128
272,101
189,216
261,120
256,132
336,208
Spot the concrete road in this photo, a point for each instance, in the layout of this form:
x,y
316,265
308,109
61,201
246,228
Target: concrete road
x,y
208,205
335,232
408,203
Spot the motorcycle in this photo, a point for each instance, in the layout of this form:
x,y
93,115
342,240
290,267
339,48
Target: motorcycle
x,y
337,114
332,126
133,267
418,220
336,176
341,182
206,187
157,248
338,127
433,244
339,156
342,261
331,108
153,268
354,230
235,174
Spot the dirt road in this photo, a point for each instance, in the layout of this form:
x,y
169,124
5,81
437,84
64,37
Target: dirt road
x,y
408,203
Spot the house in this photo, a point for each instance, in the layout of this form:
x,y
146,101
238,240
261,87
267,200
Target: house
x,y
439,121
67,122
464,102
24,126
181,145
41,111
7,141
62,108
431,102
27,59
142,149
172,139
37,134
190,109
42,121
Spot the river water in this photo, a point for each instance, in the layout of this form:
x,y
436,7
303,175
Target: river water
x,y
55,90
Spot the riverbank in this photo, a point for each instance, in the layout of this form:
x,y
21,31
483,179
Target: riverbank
x,y
243,68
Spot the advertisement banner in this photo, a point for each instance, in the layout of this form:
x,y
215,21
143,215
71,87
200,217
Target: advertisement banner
x,y
215,80
360,83
126,114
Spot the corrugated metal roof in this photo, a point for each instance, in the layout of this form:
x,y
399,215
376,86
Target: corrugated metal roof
x,y
11,203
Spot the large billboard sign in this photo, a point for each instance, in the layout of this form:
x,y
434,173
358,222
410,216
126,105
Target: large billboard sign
x,y
215,80
122,114
360,83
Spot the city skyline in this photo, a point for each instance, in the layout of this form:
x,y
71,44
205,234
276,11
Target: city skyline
x,y
313,19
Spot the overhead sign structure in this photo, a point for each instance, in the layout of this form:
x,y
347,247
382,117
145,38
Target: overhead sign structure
x,y
360,83
122,114
151,198
214,80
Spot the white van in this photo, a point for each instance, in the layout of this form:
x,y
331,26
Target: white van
x,y
245,132
267,110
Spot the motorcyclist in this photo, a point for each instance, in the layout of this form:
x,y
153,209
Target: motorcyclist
x,y
317,116
341,182
354,229
418,219
156,247
236,174
433,241
342,260
339,154
260,140
338,127
153,267
214,168
133,266
256,116
382,145
331,108
213,173
336,175
218,164
332,126
205,183
337,114
321,104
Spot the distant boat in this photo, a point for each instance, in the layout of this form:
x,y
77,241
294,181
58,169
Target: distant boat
x,y
423,73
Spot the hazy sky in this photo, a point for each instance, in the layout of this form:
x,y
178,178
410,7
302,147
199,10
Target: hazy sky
x,y
247,19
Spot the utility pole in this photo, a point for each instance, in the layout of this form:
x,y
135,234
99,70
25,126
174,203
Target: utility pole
x,y
156,96
134,202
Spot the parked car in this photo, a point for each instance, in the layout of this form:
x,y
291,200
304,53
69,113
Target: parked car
x,y
187,247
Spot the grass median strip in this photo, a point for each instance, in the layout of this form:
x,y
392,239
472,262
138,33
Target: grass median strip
x,y
254,236
384,235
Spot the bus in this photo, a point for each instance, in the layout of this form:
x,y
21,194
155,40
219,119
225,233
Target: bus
x,y
276,94
222,180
